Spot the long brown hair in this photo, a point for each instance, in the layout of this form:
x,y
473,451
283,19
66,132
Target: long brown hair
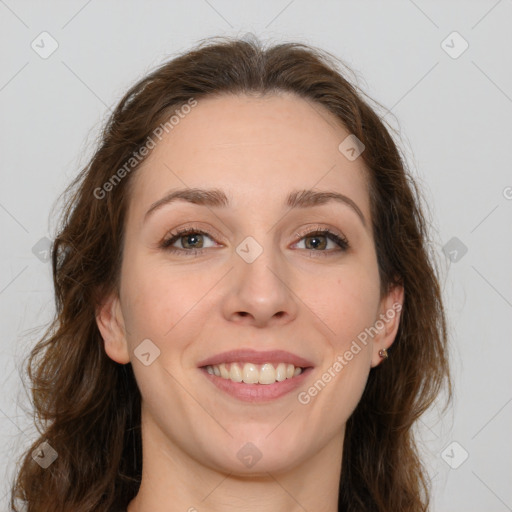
x,y
87,407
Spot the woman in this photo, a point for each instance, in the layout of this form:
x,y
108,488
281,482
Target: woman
x,y
248,317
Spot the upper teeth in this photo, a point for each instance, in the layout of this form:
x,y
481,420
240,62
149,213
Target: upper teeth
x,y
253,373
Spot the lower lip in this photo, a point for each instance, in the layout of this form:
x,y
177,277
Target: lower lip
x,y
257,392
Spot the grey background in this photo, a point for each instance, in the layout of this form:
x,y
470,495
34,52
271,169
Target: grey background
x,y
454,118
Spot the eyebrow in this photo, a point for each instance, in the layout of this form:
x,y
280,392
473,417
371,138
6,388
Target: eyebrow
x,y
216,198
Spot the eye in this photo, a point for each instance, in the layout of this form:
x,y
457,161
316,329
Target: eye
x,y
318,241
192,241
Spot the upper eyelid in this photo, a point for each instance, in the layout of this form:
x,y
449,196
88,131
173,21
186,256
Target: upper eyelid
x,y
301,233
319,228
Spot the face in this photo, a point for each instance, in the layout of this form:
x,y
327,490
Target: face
x,y
249,281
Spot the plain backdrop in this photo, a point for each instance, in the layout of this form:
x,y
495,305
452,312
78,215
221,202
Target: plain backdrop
x,y
449,95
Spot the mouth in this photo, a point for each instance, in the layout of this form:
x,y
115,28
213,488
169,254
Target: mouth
x,y
256,376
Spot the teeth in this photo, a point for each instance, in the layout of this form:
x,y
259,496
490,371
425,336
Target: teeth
x,y
223,371
267,374
235,374
281,372
251,373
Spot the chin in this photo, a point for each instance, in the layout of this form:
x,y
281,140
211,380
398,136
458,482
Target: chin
x,y
256,453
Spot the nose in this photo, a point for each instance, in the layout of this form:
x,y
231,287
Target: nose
x,y
258,293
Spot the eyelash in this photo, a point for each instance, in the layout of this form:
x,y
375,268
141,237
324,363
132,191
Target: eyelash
x,y
166,244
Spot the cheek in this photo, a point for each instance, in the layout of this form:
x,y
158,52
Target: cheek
x,y
348,309
164,302
159,303
347,301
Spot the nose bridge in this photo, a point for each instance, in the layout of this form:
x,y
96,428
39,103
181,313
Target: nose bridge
x,y
258,265
259,282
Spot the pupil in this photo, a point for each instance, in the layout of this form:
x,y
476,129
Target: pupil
x,y
317,243
188,239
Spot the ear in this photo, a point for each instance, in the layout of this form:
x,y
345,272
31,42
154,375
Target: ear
x,y
387,322
110,321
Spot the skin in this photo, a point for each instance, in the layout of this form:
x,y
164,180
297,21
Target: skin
x,y
312,302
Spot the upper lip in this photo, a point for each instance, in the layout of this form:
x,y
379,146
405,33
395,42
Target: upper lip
x,y
257,357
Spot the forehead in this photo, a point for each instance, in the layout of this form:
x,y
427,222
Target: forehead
x,y
256,149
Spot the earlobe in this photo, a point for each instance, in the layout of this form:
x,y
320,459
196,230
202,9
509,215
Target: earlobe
x,y
109,319
388,323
